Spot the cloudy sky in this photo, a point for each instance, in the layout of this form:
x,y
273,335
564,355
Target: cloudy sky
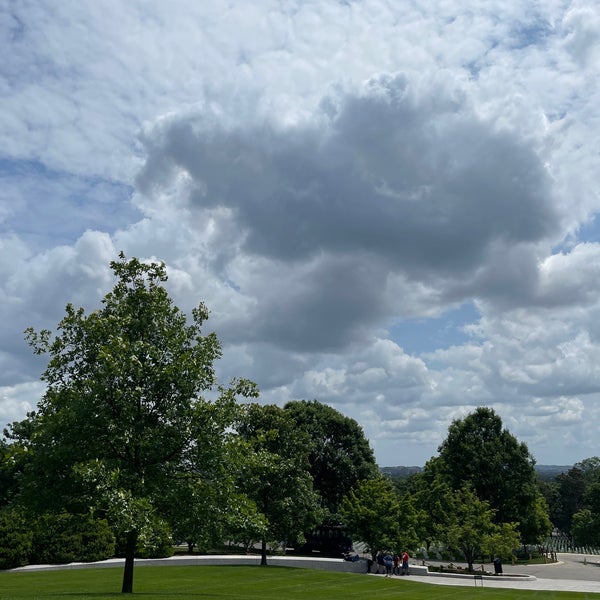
x,y
388,206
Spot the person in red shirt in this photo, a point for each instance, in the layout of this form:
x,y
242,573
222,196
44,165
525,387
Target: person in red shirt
x,y
405,558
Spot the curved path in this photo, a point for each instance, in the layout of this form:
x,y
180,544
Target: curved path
x,y
572,572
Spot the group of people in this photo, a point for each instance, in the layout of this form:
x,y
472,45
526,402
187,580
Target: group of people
x,y
392,565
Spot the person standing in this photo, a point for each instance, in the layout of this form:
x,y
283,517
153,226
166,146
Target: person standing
x,y
380,562
405,559
387,559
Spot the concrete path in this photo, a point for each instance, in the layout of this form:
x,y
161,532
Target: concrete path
x,y
573,572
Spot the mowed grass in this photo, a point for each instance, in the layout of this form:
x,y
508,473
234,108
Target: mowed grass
x,y
242,583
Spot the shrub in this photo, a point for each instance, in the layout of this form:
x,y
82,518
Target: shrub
x,y
98,540
64,538
16,539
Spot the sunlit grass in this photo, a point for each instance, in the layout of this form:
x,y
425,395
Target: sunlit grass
x,y
242,583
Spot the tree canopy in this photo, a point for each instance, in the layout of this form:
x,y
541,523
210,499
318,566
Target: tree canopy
x,y
339,453
469,527
274,473
478,451
371,514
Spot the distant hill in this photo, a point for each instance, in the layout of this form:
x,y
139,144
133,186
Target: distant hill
x,y
400,472
545,472
549,472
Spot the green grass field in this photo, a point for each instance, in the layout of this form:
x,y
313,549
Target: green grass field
x,y
242,583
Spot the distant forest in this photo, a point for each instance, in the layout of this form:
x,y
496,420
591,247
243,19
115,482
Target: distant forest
x,y
544,472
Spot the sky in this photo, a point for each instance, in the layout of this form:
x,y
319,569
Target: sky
x,y
387,206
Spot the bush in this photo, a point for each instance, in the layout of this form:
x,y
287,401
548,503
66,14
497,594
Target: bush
x,y
97,540
64,538
16,539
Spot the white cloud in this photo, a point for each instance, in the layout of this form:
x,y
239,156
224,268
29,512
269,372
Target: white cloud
x,y
317,173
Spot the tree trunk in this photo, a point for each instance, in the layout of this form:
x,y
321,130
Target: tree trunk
x,y
263,553
129,562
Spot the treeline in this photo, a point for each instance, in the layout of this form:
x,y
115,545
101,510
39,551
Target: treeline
x,y
544,472
124,439
573,500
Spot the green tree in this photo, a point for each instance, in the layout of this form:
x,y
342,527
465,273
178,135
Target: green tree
x,y
14,456
470,527
274,474
551,492
339,453
586,521
122,414
479,452
578,490
8,473
371,514
586,528
571,490
429,490
411,521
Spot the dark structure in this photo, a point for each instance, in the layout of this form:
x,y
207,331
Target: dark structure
x,y
326,540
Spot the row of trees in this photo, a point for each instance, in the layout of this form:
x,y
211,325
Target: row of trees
x,y
124,437
479,496
573,499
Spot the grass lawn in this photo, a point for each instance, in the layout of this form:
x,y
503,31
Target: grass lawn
x,y
242,583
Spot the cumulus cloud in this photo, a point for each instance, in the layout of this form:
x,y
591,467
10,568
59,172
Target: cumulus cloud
x,y
319,173
380,184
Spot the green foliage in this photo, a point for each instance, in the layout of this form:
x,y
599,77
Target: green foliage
x,y
371,514
430,492
273,464
16,539
586,528
155,542
550,490
410,523
9,472
470,527
122,416
64,538
244,522
571,490
480,453
535,522
339,454
576,490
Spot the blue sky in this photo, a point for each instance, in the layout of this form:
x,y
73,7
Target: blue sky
x,y
389,207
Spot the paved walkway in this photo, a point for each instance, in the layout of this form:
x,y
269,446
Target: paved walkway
x,y
572,572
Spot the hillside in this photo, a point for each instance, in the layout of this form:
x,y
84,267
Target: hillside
x,y
545,472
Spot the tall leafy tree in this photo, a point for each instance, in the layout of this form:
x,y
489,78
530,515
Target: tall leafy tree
x,y
469,527
586,521
572,488
123,416
371,514
429,493
339,453
478,451
274,474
